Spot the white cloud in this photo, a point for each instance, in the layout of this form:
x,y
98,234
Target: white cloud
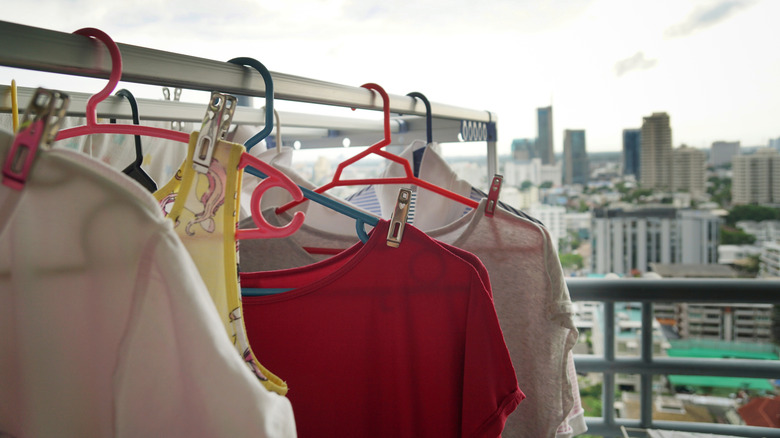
x,y
706,16
636,62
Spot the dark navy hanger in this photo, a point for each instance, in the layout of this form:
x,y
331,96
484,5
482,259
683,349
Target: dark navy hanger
x,y
134,170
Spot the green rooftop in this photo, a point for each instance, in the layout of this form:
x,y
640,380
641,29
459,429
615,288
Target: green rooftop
x,y
720,354
722,382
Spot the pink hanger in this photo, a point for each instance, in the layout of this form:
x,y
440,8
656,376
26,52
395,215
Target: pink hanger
x,y
377,149
92,126
275,178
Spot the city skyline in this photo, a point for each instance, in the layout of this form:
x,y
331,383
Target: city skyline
x,y
602,65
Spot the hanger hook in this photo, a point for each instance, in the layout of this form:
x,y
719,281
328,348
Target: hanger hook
x,y
113,79
269,98
428,116
139,156
385,109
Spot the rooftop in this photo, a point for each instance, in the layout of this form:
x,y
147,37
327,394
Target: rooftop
x,y
689,270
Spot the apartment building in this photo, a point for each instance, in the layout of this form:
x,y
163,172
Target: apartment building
x,y
756,178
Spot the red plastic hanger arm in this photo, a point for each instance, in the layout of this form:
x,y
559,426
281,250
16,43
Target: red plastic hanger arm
x,y
92,127
377,149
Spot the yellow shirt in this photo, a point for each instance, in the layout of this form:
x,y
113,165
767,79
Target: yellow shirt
x,y
203,208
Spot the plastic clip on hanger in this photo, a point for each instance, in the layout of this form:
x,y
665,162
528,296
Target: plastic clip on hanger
x,y
377,150
134,170
215,125
361,219
92,127
38,129
492,199
395,232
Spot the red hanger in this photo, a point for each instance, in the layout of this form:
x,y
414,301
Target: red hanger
x,y
377,149
275,178
92,126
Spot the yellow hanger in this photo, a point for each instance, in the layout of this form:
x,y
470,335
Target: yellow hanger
x,y
14,107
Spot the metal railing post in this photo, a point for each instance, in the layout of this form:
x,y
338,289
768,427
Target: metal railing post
x,y
608,387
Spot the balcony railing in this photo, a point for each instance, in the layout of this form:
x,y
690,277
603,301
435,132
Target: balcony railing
x,y
647,292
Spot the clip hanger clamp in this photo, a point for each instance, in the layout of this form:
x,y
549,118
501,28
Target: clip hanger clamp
x,y
215,125
495,188
397,222
37,131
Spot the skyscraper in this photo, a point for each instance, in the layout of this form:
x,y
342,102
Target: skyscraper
x,y
575,157
632,149
544,140
656,156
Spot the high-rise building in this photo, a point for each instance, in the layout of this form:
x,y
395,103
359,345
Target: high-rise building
x,y
632,149
774,143
576,167
756,178
689,167
523,149
623,240
656,157
545,148
722,152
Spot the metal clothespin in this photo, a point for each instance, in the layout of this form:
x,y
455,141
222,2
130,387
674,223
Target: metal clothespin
x,y
38,130
397,222
492,201
215,125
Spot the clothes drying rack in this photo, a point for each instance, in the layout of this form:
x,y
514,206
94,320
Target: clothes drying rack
x,y
33,48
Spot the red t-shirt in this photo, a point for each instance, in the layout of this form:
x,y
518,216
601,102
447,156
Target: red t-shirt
x,y
385,342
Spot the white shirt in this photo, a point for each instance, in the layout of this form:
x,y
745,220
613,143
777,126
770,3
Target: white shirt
x,y
106,328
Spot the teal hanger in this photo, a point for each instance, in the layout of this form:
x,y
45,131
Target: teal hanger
x,y
361,219
418,155
269,98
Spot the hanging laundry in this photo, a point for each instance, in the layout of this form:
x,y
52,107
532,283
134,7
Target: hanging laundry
x,y
386,342
531,299
106,327
203,208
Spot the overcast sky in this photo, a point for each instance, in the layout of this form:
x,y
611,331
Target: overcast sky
x,y
714,66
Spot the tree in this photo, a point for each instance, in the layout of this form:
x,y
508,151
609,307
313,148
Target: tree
x,y
571,261
526,184
719,190
636,194
735,236
546,185
752,213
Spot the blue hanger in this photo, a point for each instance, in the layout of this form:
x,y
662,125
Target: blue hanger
x,y
361,219
417,157
269,98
